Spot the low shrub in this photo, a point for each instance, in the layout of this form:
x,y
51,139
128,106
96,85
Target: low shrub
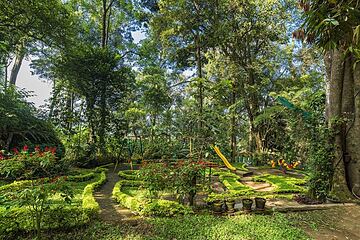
x,y
15,186
232,181
283,184
147,207
128,175
81,177
18,219
165,208
56,215
89,204
30,165
11,169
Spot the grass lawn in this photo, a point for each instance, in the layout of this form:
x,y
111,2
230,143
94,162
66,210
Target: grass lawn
x,y
202,227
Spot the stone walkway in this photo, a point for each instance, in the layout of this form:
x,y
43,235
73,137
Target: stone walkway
x,y
110,211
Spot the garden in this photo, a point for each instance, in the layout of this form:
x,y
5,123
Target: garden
x,y
193,119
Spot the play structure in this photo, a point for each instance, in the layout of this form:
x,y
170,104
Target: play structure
x,y
223,158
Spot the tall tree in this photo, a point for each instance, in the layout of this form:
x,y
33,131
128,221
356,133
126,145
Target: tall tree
x,y
23,24
183,28
335,26
246,36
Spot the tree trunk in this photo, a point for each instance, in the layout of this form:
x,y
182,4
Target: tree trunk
x,y
252,107
102,129
8,141
16,67
335,97
90,118
352,138
233,124
201,93
56,91
104,24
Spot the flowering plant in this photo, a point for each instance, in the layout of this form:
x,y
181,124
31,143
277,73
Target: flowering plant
x,y
30,164
284,165
179,177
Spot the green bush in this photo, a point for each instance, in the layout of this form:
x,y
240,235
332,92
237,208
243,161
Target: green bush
x,y
30,165
18,120
15,186
128,175
81,177
165,208
231,182
89,204
125,199
16,219
147,207
11,169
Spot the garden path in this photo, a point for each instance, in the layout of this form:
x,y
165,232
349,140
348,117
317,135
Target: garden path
x,y
340,223
110,211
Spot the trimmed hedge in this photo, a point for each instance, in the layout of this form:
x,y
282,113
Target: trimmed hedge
x,y
20,219
15,186
89,204
232,182
128,175
81,177
148,207
17,219
283,184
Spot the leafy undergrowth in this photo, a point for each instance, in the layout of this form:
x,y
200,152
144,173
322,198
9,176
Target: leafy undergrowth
x,y
203,227
283,184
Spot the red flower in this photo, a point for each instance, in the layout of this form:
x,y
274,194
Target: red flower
x,y
37,149
25,148
15,150
46,149
53,150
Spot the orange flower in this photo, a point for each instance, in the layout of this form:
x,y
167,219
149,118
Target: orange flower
x,y
273,163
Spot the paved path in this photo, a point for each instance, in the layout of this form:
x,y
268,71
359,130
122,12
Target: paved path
x,y
110,211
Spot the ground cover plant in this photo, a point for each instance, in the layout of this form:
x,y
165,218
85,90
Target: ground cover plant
x,y
284,184
193,227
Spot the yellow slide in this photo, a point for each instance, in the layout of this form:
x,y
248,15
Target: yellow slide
x,y
227,164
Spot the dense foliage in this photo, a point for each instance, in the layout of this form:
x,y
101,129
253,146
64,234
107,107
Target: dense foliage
x,y
159,83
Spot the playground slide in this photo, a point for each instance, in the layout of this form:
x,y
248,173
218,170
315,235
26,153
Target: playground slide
x,y
223,158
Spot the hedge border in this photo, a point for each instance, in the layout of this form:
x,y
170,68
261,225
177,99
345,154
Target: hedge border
x,y
124,174
19,219
150,207
89,204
